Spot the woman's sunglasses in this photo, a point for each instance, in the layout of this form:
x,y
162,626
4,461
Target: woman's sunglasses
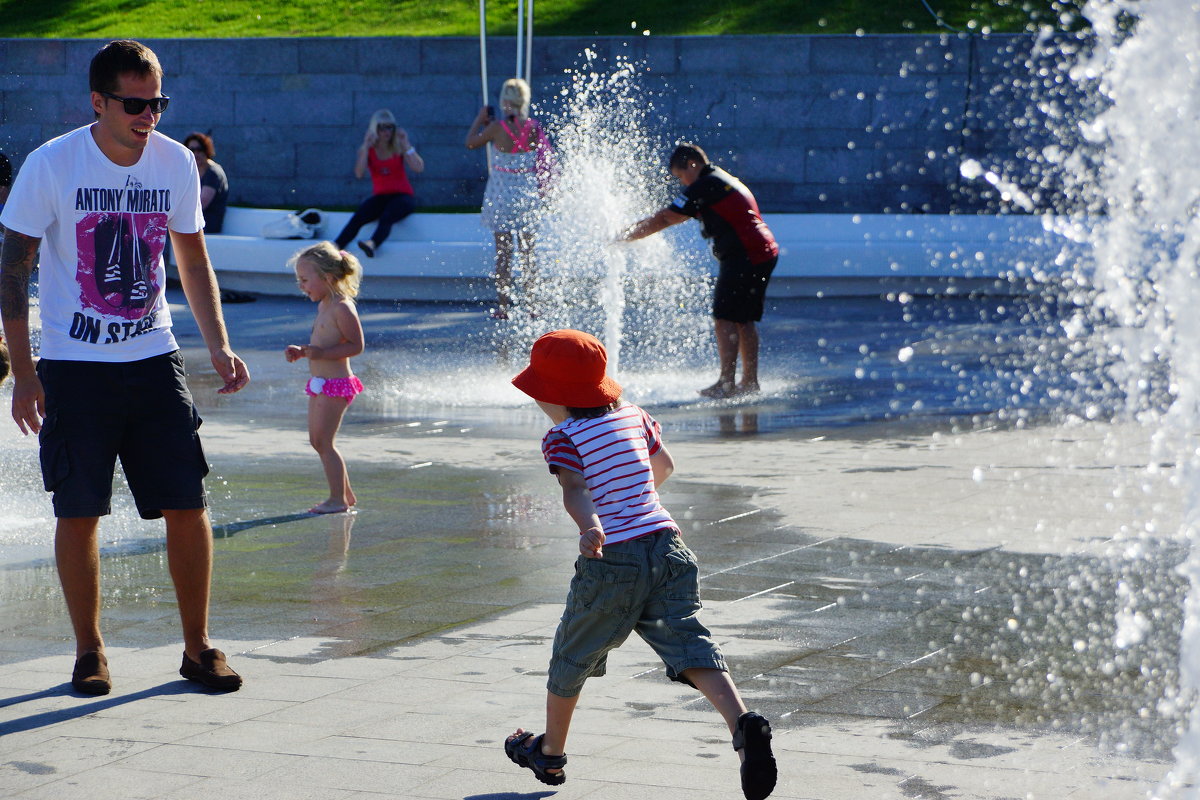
x,y
136,105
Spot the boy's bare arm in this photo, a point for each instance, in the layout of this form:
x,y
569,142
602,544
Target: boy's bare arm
x,y
577,500
662,465
663,219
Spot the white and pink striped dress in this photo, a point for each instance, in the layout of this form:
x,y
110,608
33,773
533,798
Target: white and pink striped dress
x,y
612,453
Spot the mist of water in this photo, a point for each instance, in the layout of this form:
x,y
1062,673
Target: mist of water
x,y
647,301
26,517
1134,188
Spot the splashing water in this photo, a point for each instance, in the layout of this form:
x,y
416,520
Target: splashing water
x,y
1138,180
646,300
26,518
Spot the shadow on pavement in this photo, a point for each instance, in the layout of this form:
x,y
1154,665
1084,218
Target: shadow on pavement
x,y
63,714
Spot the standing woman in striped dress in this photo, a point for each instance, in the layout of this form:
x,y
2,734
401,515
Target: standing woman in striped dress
x,y
522,157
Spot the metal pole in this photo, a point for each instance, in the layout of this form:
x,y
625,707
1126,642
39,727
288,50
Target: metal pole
x,y
520,37
529,45
483,75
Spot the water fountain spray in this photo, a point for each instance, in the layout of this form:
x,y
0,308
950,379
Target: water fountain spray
x,y
1138,184
651,296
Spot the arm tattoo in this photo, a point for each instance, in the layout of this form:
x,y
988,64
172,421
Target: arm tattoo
x,y
16,263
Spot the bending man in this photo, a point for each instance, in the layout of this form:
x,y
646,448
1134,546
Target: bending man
x,y
745,249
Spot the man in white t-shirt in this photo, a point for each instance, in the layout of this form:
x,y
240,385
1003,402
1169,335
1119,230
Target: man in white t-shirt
x,y
99,203
5,185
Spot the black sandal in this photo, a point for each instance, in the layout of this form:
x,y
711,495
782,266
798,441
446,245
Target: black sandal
x,y
531,757
759,772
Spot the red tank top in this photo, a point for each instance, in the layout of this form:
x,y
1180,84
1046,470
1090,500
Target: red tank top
x,y
388,175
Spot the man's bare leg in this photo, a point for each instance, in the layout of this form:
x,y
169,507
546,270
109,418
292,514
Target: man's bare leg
x,y
727,353
78,557
748,349
189,556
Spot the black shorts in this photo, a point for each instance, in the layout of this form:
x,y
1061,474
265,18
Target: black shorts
x,y
138,411
740,290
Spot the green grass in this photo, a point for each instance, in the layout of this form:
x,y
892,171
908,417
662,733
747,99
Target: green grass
x,y
145,19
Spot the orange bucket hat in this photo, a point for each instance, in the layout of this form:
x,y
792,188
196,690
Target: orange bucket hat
x,y
567,368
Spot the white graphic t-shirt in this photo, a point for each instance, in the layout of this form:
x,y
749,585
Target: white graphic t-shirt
x,y
103,229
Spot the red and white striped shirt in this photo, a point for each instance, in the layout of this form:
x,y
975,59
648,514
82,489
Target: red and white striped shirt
x,y
612,453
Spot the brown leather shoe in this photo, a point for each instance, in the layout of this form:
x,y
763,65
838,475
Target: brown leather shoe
x,y
212,671
90,675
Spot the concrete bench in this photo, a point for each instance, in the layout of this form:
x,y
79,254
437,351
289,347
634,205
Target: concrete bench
x,y
422,249
846,253
449,256
884,245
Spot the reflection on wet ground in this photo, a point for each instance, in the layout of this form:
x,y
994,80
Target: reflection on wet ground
x,y
930,639
924,638
825,362
941,638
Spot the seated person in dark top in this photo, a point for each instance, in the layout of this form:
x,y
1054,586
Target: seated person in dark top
x,y
214,186
5,181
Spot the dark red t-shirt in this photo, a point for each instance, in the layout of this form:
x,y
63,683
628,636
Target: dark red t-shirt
x,y
728,215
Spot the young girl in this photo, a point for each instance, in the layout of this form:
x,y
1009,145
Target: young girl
x,y
330,278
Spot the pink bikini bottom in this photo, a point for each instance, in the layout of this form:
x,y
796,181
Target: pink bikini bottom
x,y
334,387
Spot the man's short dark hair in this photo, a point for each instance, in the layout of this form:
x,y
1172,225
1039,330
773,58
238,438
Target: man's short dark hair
x,y
118,57
5,171
685,153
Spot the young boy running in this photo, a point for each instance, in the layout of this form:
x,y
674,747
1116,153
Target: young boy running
x,y
634,573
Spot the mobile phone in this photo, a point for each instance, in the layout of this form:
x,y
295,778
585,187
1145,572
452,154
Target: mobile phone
x,y
491,112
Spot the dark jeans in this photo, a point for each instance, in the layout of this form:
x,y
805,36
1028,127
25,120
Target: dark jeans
x,y
387,208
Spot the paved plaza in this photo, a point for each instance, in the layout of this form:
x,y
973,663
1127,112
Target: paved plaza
x,y
923,611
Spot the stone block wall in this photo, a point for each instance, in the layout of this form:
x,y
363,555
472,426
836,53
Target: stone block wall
x,y
811,123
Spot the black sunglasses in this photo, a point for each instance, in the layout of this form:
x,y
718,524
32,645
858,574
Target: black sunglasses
x,y
136,105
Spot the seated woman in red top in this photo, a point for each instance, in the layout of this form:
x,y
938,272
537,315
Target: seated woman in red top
x,y
386,153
